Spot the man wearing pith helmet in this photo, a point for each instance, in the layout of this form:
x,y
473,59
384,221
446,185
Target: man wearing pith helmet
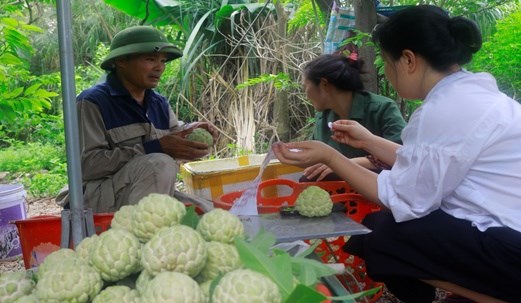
x,y
130,138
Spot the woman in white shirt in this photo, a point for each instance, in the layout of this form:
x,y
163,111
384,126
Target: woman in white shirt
x,y
452,200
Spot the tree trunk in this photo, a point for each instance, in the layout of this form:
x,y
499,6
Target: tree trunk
x,y
281,105
365,21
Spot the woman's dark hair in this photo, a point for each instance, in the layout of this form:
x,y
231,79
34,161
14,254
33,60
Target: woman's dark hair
x,y
429,32
337,69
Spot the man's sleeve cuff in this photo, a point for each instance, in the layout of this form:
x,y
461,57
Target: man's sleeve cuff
x,y
152,147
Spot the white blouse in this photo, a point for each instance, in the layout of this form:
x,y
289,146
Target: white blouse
x,y
461,153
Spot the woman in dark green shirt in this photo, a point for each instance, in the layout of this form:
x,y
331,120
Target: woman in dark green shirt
x,y
334,86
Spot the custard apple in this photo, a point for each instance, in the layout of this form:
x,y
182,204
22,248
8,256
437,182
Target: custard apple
x,y
172,286
117,294
27,299
245,285
205,287
142,281
123,217
70,281
220,225
62,255
201,135
222,258
155,212
83,250
116,254
314,202
15,285
177,248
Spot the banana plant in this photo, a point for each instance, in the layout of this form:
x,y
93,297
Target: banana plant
x,y
201,26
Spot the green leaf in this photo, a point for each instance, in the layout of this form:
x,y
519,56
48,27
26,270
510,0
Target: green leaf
x,y
10,22
42,93
191,218
308,271
14,93
263,241
10,59
304,274
222,14
305,294
357,295
195,32
139,9
213,284
253,7
309,250
258,261
32,89
32,28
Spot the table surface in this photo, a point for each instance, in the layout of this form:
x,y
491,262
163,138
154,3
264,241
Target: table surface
x,y
293,228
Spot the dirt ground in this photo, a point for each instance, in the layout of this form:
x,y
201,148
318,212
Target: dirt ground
x,y
39,207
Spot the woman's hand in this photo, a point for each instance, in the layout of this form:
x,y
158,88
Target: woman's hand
x,y
303,154
351,132
317,172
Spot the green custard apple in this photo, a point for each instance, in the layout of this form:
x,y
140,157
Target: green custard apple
x,y
117,294
178,248
220,225
222,258
245,285
201,135
15,285
170,286
154,212
314,202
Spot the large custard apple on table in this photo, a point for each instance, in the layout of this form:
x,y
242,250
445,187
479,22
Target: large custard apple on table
x,y
178,248
173,287
220,225
245,285
154,212
116,254
15,285
70,280
117,294
201,135
222,258
314,202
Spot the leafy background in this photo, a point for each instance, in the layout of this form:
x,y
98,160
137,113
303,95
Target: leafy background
x,y
239,57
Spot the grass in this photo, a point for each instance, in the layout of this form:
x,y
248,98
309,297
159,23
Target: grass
x,y
40,168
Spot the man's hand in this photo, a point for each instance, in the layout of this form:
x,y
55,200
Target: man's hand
x,y
179,148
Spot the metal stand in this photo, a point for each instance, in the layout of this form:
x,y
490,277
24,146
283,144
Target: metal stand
x,y
87,227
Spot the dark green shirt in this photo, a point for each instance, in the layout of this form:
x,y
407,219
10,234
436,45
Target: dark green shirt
x,y
379,114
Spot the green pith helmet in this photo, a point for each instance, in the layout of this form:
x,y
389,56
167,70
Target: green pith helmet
x,y
139,39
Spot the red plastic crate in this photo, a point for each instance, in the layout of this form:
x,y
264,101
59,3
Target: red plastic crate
x,y
41,235
270,199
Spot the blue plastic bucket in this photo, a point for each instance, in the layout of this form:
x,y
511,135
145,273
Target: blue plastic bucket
x,y
12,207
